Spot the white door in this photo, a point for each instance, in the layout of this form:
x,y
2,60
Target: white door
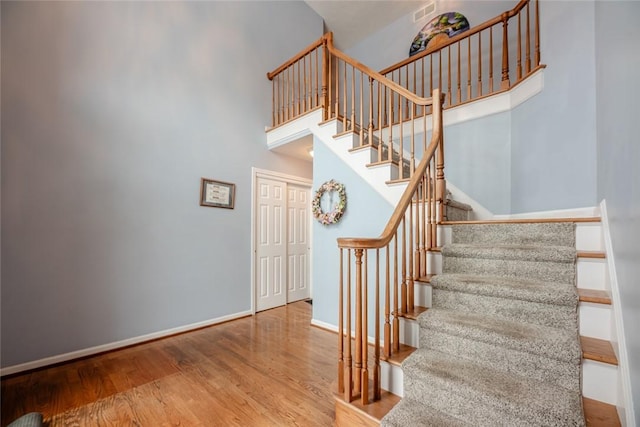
x,y
271,244
298,245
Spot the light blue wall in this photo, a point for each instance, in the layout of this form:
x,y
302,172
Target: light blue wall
x,y
478,159
618,94
552,162
111,113
366,215
553,157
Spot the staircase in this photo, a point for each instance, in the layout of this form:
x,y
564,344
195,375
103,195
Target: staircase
x,y
500,344
470,322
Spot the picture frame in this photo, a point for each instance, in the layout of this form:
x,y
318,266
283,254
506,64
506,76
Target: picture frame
x,y
217,194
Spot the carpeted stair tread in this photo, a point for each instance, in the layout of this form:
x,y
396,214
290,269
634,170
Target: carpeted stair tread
x,y
519,252
530,338
508,287
410,413
466,390
538,234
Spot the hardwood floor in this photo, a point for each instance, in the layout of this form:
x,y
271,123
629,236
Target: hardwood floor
x,y
272,369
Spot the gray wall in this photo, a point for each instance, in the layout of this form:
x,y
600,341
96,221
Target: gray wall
x,y
111,113
618,94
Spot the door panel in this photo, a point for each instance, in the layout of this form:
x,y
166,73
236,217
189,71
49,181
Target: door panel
x,y
271,247
298,245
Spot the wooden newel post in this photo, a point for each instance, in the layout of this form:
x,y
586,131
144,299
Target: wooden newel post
x,y
325,78
505,52
358,341
341,328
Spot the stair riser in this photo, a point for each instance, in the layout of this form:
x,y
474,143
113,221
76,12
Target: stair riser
x,y
547,271
524,311
564,374
600,381
553,234
592,274
444,393
595,320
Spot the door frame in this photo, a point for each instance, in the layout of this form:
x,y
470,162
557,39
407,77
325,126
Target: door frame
x,y
289,179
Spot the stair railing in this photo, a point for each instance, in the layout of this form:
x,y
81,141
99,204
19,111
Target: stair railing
x,y
394,260
356,96
477,63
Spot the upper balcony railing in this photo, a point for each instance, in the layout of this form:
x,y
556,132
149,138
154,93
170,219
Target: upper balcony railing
x,y
487,59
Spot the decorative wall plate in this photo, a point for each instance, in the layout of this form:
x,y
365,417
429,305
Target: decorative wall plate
x,y
438,29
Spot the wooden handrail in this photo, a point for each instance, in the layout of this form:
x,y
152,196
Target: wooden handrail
x,y
299,56
382,79
400,210
490,23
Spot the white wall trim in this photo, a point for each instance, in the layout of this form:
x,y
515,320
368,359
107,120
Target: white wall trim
x,y
91,351
289,179
625,402
560,213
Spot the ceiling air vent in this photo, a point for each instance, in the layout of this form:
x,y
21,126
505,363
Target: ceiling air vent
x,y
424,11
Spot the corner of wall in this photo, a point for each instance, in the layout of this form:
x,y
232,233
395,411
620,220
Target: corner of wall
x,y
625,401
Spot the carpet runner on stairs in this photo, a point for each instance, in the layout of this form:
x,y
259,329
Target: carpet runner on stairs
x,y
500,345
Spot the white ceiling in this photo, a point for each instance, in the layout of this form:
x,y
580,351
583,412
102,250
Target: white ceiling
x,y
353,20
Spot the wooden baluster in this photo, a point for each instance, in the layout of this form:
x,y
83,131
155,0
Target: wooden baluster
x,y
361,124
348,373
305,85
412,162
519,51
424,107
390,143
537,33
387,304
490,59
406,100
337,78
344,99
528,43
449,73
380,121
326,81
415,86
439,72
364,373
297,89
400,141
403,289
376,335
399,110
423,248
307,80
410,273
440,183
341,326
318,86
469,69
370,126
505,52
429,207
430,76
459,76
480,64
396,302
353,99
273,102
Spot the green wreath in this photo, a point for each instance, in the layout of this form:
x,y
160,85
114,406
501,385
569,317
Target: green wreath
x,y
333,216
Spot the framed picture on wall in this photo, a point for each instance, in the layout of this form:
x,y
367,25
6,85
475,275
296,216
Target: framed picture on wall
x,y
217,194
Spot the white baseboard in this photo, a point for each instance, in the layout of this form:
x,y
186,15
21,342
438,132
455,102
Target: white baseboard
x,y
625,402
52,360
